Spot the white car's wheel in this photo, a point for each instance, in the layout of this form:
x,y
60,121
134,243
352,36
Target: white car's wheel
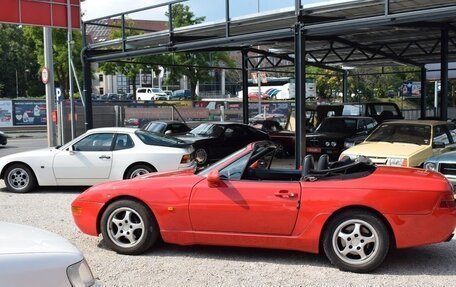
x,y
20,178
128,227
356,241
138,170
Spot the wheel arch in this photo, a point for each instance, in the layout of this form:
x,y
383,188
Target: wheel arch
x,y
137,163
2,173
371,210
123,197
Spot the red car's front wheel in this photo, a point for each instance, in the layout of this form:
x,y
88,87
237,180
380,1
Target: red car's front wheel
x,y
128,227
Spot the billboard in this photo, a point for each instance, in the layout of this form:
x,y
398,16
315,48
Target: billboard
x,y
29,113
51,13
411,89
6,110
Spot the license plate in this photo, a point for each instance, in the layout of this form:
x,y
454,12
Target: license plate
x,y
313,149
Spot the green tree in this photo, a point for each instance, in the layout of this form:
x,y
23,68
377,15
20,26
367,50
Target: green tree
x,y
18,65
60,52
193,65
133,67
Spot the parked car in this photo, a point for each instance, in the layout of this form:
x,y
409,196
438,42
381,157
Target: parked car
x,y
255,96
444,163
213,141
98,155
284,140
380,111
280,118
406,143
167,127
3,138
168,93
330,135
354,212
34,257
150,94
181,95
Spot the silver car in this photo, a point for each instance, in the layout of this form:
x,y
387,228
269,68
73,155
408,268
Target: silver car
x,y
33,257
444,163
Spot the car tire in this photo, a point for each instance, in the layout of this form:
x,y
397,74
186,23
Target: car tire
x,y
356,241
20,178
138,170
201,156
128,227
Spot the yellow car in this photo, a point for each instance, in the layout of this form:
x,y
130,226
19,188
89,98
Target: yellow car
x,y
406,143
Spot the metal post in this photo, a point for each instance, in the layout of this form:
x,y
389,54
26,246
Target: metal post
x,y
17,85
300,80
259,91
423,92
50,98
70,71
387,7
87,83
298,7
245,87
227,18
345,86
444,74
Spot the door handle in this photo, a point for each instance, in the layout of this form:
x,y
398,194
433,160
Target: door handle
x,y
285,194
104,157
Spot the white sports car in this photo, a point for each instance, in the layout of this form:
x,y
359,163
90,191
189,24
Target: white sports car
x,y
98,155
33,257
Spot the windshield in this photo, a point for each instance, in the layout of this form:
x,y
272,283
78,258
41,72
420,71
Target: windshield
x,y
150,138
402,133
155,90
156,127
209,168
209,130
337,125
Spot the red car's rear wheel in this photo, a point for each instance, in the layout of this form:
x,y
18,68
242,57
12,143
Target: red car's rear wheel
x,y
356,241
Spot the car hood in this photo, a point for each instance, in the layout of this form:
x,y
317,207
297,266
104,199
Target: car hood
x,y
22,239
446,157
334,136
385,149
191,138
32,153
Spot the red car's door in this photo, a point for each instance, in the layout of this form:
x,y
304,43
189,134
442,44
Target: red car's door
x,y
245,206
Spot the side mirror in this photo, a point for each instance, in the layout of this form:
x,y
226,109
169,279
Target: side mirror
x,y
438,145
213,179
168,132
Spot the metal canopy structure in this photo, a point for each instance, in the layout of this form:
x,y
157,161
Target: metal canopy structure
x,y
328,34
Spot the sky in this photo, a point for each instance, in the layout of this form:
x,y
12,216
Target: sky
x,y
213,10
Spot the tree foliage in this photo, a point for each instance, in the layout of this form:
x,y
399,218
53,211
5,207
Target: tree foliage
x,y
17,58
60,52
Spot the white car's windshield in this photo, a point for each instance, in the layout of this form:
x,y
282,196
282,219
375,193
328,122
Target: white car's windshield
x,y
402,133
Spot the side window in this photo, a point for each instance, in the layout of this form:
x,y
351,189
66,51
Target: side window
x,y
440,135
370,124
123,141
234,171
95,142
452,130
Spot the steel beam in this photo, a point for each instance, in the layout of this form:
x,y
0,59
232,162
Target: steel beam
x,y
345,86
245,87
423,92
444,74
300,94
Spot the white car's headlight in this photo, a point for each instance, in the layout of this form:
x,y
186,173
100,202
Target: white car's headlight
x,y
396,161
430,165
80,275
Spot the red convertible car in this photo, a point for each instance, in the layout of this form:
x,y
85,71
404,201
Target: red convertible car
x,y
353,211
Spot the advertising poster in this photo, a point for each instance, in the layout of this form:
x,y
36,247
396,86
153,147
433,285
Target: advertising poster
x,y
29,113
6,110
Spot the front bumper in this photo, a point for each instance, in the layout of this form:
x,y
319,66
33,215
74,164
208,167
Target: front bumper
x,y
85,216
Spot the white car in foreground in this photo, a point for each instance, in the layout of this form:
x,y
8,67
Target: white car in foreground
x,y
33,257
98,155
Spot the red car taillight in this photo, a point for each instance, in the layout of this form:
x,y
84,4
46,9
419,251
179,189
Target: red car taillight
x,y
448,201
